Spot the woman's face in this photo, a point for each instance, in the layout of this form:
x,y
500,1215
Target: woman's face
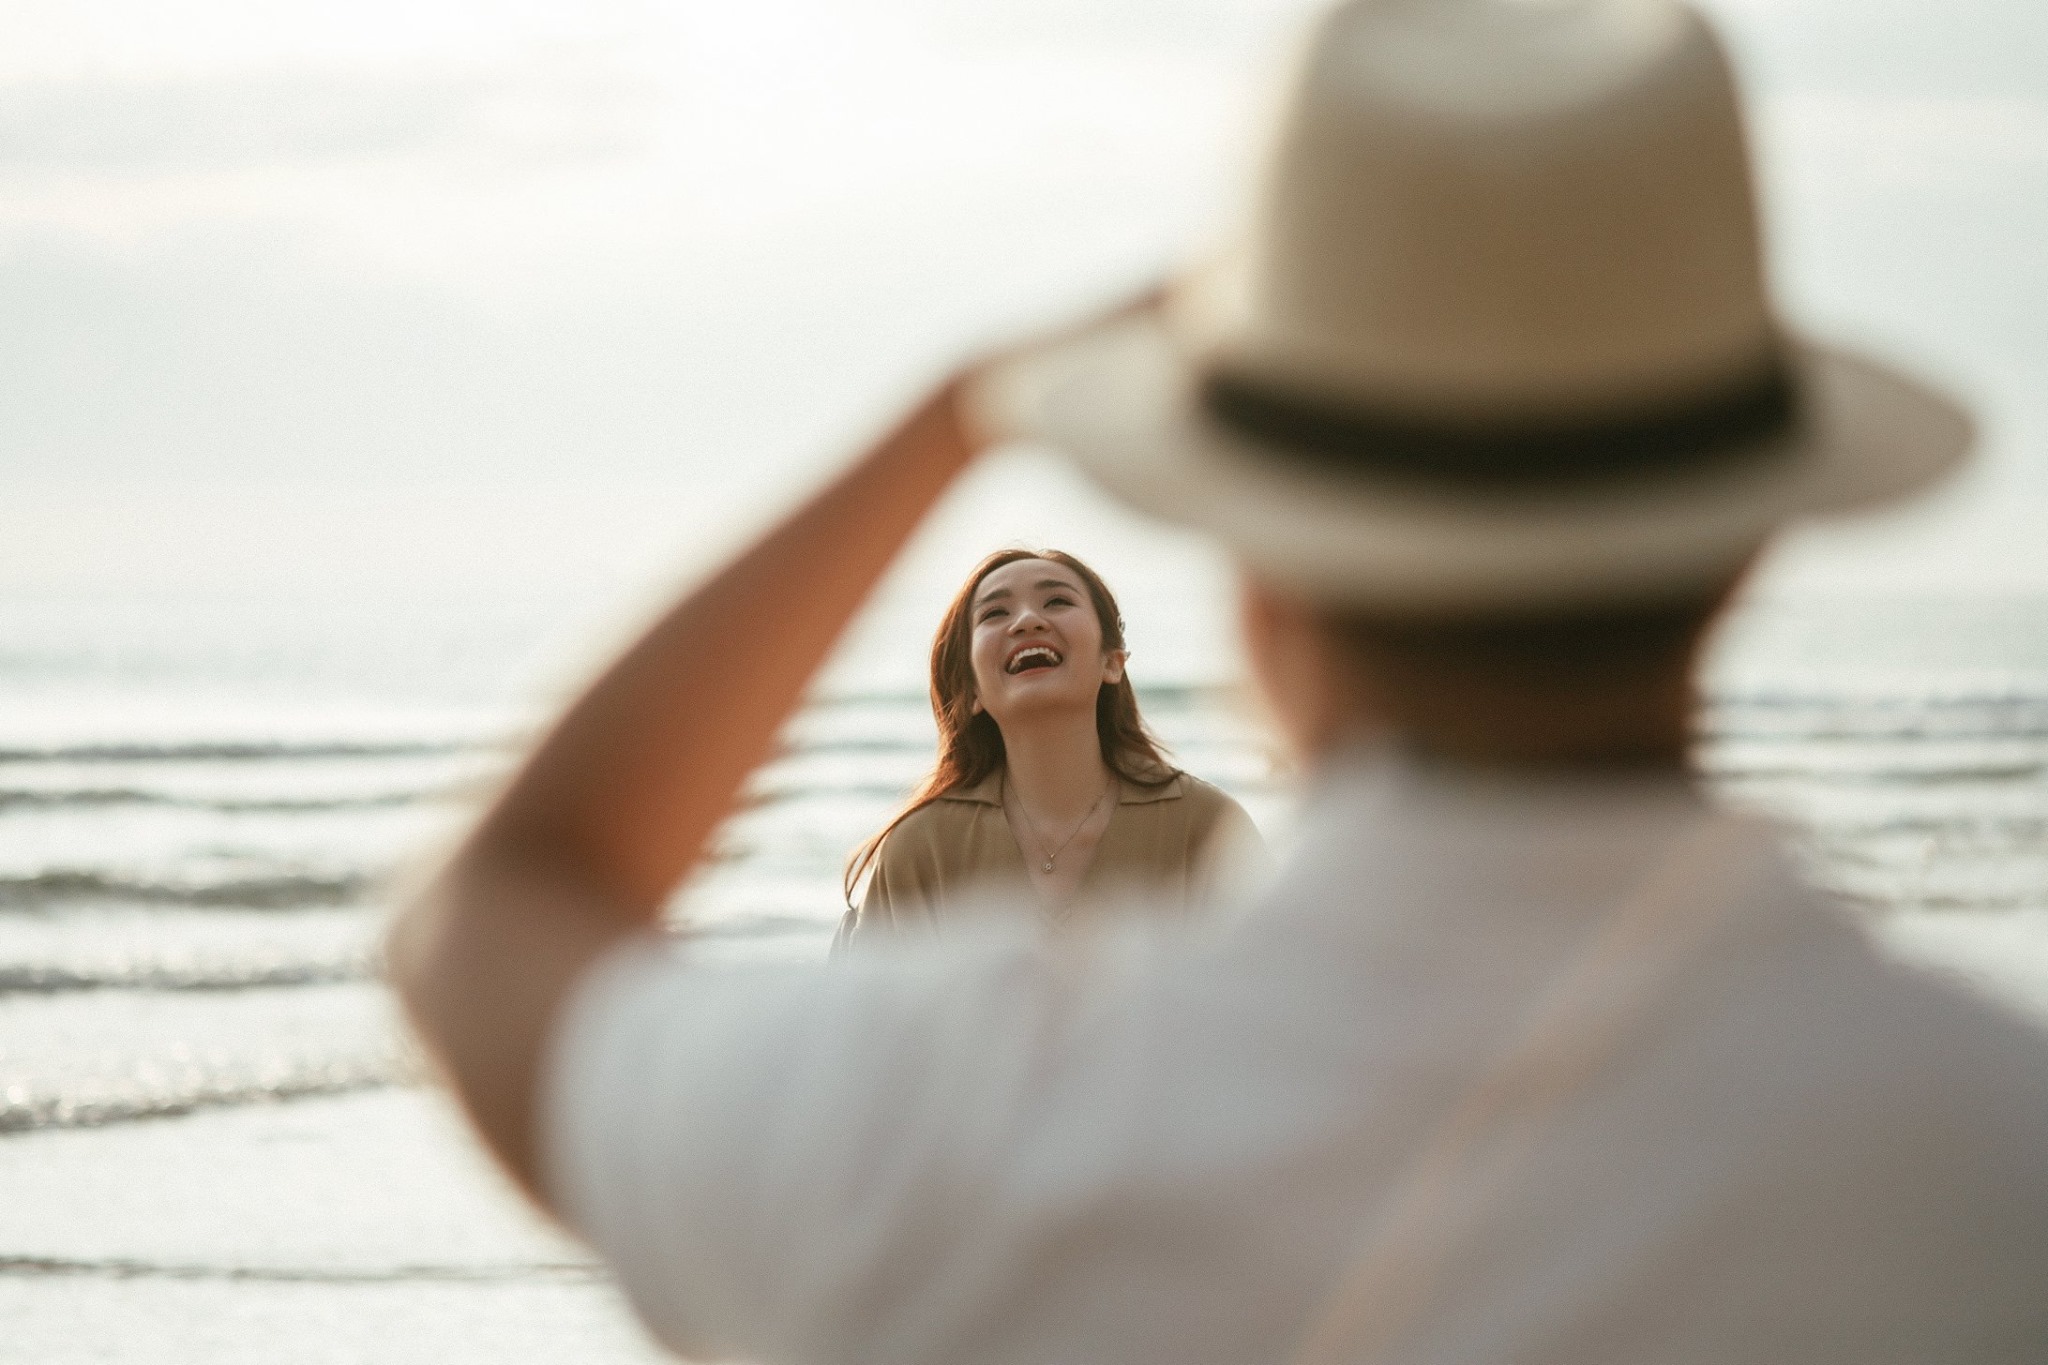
x,y
1036,644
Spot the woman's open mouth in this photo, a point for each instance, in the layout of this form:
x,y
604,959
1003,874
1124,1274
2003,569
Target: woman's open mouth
x,y
1031,658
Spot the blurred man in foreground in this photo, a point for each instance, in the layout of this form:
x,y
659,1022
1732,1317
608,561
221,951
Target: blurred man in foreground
x,y
1531,1054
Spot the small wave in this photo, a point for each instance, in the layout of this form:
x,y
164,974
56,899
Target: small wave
x,y
23,1111
93,798
777,793
1887,775
45,979
857,744
242,750
1834,729
118,1268
287,891
1902,718
1835,689
2008,831
1942,902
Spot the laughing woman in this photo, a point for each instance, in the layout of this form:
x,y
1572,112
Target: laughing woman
x,y
1048,790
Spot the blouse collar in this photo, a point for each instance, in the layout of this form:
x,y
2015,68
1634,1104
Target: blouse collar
x,y
989,791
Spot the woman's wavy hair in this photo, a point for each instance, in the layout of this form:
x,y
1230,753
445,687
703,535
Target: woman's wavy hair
x,y
970,744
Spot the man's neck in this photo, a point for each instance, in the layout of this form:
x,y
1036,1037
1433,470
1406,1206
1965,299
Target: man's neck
x,y
1641,730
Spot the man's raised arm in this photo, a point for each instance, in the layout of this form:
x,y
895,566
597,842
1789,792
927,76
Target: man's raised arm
x,y
618,802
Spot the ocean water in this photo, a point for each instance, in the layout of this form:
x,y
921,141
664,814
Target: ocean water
x,y
213,759
366,365
216,1143
196,849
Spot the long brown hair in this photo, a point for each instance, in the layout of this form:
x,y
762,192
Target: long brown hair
x,y
971,745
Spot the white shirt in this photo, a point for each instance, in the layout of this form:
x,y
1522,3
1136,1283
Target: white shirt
x,y
1530,1071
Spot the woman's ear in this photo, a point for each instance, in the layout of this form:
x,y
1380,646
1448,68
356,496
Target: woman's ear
x,y
974,703
1113,666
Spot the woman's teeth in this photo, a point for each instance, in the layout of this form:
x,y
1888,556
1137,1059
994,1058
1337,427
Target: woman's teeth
x,y
1038,656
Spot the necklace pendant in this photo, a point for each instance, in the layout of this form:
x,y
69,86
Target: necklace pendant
x,y
1045,866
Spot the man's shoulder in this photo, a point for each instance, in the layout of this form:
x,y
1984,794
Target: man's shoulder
x,y
1931,1027
1839,1032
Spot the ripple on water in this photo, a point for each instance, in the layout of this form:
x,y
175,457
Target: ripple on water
x,y
95,1057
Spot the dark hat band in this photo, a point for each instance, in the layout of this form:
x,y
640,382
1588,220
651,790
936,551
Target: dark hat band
x,y
1731,425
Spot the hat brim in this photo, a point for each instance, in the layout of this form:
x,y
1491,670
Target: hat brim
x,y
1121,400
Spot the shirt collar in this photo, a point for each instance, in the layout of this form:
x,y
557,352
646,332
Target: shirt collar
x,y
989,791
1390,838
1401,779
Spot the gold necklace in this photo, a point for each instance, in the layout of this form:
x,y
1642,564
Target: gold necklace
x,y
1052,858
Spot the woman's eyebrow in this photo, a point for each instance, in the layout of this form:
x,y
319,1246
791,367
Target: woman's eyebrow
x,y
996,594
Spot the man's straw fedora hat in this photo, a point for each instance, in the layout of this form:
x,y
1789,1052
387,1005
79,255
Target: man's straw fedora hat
x,y
1497,336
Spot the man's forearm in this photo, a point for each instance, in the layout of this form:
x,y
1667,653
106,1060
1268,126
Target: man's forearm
x,y
619,801
633,781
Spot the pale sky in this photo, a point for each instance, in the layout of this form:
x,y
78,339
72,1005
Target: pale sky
x,y
415,289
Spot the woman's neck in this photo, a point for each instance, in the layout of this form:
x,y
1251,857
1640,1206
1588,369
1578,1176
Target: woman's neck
x,y
1055,766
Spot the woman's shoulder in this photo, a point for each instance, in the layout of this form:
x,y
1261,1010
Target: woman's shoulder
x,y
934,817
1185,803
1211,806
936,825
1201,792
1231,854
1204,800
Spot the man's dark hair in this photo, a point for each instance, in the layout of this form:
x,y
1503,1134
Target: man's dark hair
x,y
1597,684
1538,647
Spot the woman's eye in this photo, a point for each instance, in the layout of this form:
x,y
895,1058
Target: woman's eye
x,y
1059,602
993,613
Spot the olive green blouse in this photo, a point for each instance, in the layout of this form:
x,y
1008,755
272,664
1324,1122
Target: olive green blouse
x,y
1168,845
